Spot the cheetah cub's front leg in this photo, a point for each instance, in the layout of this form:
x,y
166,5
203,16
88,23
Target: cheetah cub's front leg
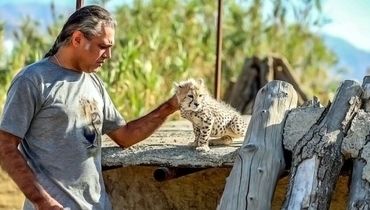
x,y
196,132
201,140
202,134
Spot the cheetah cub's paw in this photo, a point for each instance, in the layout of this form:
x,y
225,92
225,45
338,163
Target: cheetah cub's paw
x,y
204,148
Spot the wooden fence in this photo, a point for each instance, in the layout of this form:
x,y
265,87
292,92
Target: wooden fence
x,y
317,151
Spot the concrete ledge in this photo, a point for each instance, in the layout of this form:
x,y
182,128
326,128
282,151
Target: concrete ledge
x,y
168,146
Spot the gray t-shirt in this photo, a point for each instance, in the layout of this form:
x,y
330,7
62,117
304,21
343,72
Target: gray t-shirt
x,y
61,115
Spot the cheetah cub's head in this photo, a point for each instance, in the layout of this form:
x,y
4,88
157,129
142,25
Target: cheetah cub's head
x,y
191,94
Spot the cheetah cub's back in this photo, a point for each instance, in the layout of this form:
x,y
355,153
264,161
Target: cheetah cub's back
x,y
209,117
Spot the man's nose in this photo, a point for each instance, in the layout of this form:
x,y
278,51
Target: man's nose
x,y
108,53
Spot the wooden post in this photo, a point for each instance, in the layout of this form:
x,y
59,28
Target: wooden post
x,y
356,146
218,65
79,4
255,74
366,93
260,160
317,157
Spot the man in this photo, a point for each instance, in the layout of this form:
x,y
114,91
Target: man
x,y
56,113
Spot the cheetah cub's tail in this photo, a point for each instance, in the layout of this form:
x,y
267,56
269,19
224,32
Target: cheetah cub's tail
x,y
224,140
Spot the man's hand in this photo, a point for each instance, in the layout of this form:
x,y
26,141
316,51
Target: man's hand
x,y
174,102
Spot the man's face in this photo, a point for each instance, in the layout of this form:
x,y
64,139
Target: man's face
x,y
95,51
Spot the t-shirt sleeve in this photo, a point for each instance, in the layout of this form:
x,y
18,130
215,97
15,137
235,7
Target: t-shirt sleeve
x,y
22,103
112,118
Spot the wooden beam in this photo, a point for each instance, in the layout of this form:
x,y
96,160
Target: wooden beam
x,y
79,4
317,156
260,160
217,92
356,146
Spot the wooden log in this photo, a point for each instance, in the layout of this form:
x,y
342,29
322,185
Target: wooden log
x,y
255,74
366,94
260,160
356,146
283,71
317,157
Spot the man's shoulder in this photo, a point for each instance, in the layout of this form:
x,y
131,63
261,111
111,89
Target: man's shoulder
x,y
36,71
36,68
30,70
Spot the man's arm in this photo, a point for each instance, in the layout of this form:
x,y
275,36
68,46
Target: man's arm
x,y
139,129
12,161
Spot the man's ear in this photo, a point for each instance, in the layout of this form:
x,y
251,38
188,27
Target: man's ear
x,y
77,37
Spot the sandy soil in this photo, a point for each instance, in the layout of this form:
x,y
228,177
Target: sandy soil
x,y
10,196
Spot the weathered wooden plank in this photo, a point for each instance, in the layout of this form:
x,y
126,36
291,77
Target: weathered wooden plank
x,y
260,160
317,158
298,123
255,74
356,145
366,93
283,71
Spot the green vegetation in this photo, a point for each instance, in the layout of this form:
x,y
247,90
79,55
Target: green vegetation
x,y
162,41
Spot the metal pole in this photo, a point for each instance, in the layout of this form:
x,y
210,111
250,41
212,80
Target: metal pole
x,y
218,52
79,4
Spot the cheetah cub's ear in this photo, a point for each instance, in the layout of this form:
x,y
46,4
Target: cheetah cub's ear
x,y
176,85
200,82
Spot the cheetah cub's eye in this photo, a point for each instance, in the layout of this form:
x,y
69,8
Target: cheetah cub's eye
x,y
190,96
200,95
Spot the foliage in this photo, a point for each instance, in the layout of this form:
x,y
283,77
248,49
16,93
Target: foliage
x,y
3,73
162,41
30,46
154,52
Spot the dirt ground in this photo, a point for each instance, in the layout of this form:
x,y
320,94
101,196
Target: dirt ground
x,y
10,196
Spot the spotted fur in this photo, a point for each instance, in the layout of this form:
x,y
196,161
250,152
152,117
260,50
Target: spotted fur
x,y
210,118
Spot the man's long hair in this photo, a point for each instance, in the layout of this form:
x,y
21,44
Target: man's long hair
x,y
88,20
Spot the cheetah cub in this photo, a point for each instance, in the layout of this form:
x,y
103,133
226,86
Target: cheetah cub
x,y
210,118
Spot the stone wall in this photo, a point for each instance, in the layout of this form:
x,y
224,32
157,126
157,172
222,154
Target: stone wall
x,y
134,188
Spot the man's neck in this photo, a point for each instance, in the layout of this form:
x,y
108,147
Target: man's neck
x,y
65,58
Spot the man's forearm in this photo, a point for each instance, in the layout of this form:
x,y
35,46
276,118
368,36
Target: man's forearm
x,y
12,161
139,129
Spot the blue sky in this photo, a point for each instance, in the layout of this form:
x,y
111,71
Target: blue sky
x,y
350,21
